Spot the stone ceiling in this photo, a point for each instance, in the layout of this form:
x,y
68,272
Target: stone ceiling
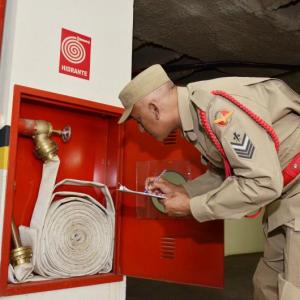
x,y
174,32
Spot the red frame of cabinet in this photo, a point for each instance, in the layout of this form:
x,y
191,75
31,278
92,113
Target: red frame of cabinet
x,y
2,14
199,247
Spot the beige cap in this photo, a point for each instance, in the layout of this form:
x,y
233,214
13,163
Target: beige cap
x,y
140,86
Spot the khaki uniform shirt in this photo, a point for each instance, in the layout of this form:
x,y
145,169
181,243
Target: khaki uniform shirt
x,y
257,178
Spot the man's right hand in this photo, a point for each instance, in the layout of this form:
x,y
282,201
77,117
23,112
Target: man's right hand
x,y
162,186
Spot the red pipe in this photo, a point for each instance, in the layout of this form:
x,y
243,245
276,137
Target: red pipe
x,y
27,127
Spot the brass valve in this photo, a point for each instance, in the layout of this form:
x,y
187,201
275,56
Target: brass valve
x,y
19,255
41,131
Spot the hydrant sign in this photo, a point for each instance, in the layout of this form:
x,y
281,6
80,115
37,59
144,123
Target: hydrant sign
x,y
75,54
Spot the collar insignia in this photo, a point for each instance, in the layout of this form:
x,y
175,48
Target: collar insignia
x,y
223,117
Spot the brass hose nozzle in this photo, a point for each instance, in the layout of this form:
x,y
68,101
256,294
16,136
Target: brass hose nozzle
x,y
20,254
41,131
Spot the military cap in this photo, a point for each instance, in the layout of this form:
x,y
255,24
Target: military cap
x,y
140,86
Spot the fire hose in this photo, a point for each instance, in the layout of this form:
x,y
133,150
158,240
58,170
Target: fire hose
x,y
70,233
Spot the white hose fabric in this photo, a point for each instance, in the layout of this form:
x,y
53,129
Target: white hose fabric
x,y
71,233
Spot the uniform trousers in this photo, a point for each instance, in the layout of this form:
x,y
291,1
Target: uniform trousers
x,y
277,276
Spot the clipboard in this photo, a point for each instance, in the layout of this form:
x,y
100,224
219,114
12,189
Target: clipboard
x,y
124,189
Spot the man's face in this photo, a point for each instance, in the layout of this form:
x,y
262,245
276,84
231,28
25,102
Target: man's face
x,y
149,120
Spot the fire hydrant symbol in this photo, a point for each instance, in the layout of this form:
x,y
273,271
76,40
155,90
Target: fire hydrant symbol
x,y
73,50
75,54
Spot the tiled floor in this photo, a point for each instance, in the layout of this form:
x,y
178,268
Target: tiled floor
x,y
239,270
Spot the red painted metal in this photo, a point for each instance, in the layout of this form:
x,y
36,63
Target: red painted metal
x,y
27,127
178,250
2,15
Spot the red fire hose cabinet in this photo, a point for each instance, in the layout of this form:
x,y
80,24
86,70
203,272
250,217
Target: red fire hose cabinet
x,y
147,243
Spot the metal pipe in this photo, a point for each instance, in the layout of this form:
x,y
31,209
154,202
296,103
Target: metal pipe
x,y
15,234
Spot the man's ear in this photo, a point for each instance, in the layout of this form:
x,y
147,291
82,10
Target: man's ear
x,y
154,109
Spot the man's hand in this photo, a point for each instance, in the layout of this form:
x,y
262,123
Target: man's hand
x,y
162,186
177,202
177,205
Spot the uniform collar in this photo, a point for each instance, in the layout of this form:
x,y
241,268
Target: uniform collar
x,y
184,107
202,98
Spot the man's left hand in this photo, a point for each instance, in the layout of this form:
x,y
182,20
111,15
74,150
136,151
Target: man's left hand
x,y
177,204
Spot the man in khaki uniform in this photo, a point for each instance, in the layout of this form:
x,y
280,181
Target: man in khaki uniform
x,y
256,180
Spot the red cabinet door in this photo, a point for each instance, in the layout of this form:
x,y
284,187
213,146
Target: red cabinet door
x,y
158,247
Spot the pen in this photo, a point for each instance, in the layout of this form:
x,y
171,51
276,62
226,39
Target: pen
x,y
160,175
156,179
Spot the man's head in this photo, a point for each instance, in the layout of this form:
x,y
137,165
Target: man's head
x,y
151,99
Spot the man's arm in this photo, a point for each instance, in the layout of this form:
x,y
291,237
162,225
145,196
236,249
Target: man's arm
x,y
257,178
210,180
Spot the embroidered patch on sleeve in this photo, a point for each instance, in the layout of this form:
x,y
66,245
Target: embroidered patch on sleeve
x,y
223,117
242,146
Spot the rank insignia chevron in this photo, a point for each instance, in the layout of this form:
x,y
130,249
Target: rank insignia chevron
x,y
244,148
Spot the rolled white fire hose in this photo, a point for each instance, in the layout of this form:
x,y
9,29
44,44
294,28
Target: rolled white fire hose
x,y
71,236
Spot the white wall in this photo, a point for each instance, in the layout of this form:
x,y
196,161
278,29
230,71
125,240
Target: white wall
x,y
30,57
32,43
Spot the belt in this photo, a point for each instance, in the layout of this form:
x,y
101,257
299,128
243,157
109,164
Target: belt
x,y
71,236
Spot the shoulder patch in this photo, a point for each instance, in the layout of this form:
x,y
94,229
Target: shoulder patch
x,y
242,145
223,117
